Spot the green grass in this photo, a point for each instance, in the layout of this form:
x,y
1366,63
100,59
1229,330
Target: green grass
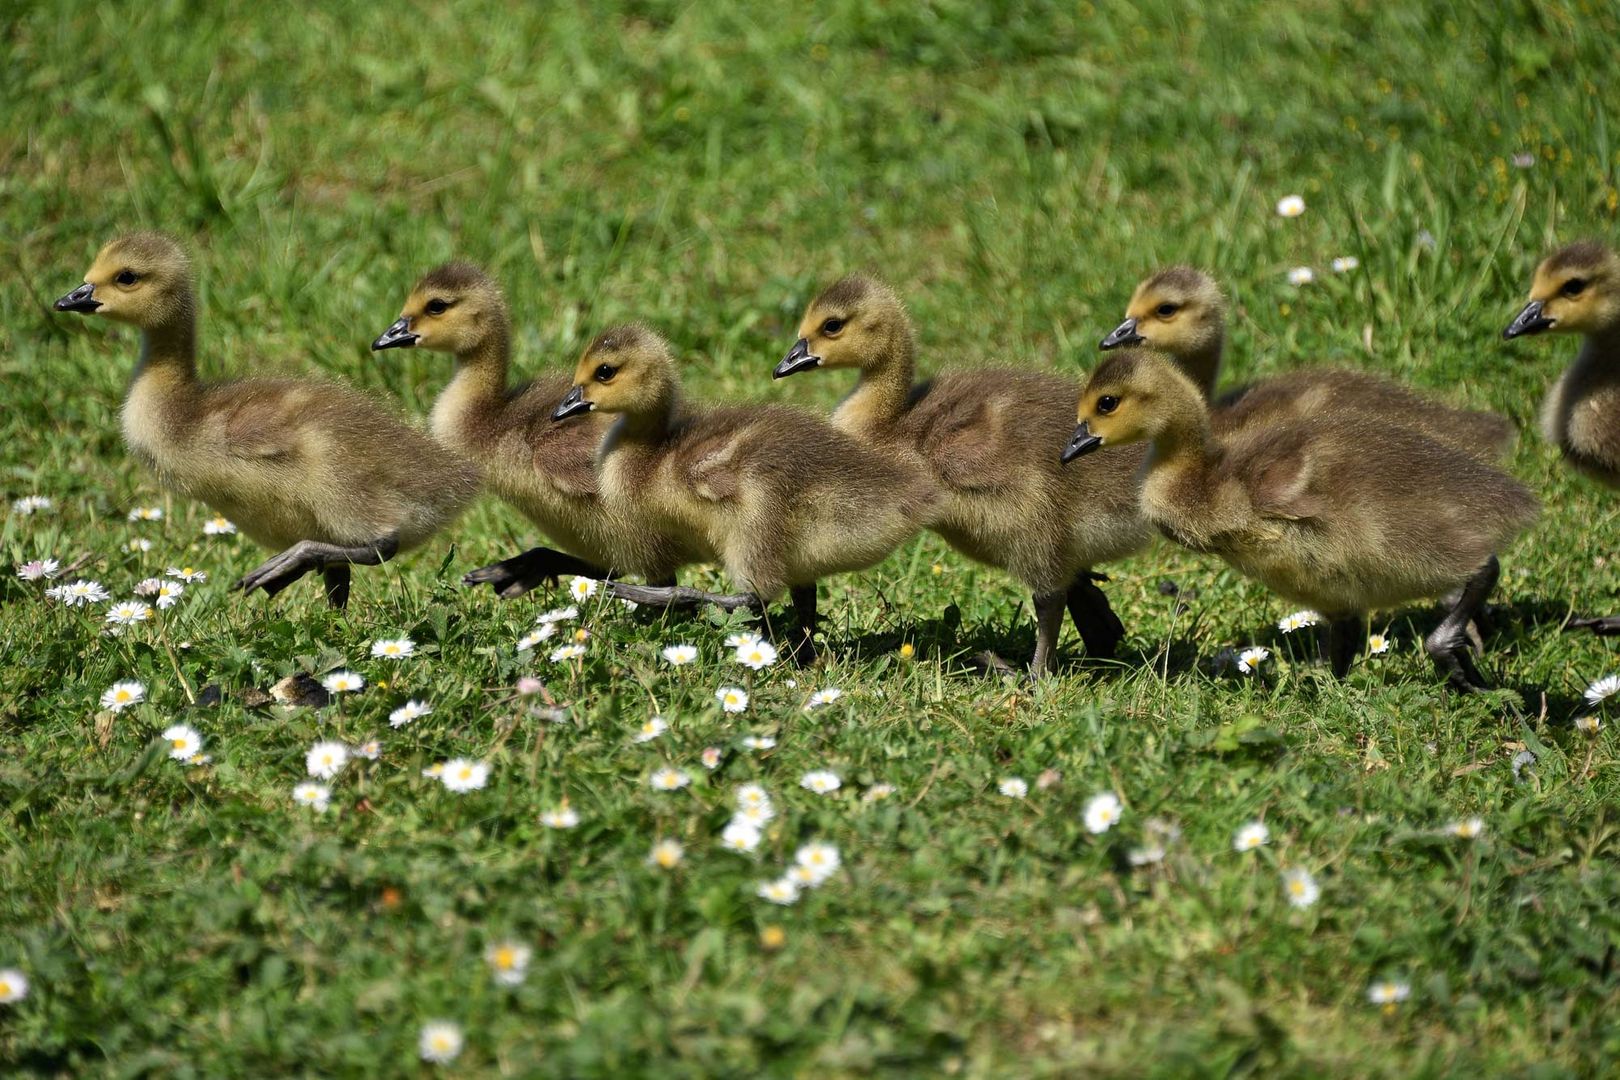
x,y
1013,169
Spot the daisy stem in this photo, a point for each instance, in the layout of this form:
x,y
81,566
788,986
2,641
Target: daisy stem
x,y
174,662
1586,766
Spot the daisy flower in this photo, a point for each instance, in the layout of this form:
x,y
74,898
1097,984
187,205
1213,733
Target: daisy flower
x,y
121,695
80,593
1146,855
186,574
1300,888
821,860
823,697
138,543
567,652
562,817
752,795
557,615
756,655
392,648
535,637
1388,992
13,986
1251,658
758,742
582,588
509,962
184,742
440,1042
1251,836
38,569
1602,689
1298,620
1290,206
628,605
343,682
1588,725
653,728
528,686
31,504
742,640
821,781
666,854
218,525
168,594
315,796
677,655
1013,787
740,836
434,771
146,513
1301,275
757,816
1378,644
733,699
710,757
784,891
128,613
669,780
877,793
1345,263
411,710
326,759
371,750
461,775
1467,829
1103,812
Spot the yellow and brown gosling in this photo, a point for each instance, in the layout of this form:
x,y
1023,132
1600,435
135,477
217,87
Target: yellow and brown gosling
x,y
781,497
1337,510
1576,290
546,470
312,467
990,439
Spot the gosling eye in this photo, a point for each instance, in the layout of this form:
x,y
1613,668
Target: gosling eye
x,y
1574,287
437,307
832,326
605,372
130,277
1107,404
1164,311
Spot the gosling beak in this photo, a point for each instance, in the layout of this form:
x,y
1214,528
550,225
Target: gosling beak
x,y
799,358
1084,442
1123,334
397,336
1528,321
572,404
82,300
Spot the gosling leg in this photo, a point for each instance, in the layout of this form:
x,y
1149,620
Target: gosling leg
x,y
1048,623
1344,639
1099,627
282,570
1605,626
803,644
511,578
336,579
1448,645
683,596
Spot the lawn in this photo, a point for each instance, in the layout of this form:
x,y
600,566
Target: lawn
x,y
1013,169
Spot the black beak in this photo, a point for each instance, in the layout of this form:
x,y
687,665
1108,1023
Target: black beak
x,y
799,358
1123,334
397,336
82,300
572,404
1084,442
1529,321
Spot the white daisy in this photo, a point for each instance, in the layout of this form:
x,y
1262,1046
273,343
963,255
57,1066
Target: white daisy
x,y
1602,689
38,569
557,615
654,727
562,817
434,771
1251,836
315,796
1388,992
1467,829
784,891
1290,206
128,613
824,697
757,816
1345,263
1588,725
392,648
733,699
31,504
821,860
740,836
756,655
146,513
461,775
139,544
411,710
677,655
821,781
218,525
1014,787
371,750
1300,887
147,586
1251,658
121,695
13,986
1378,644
666,854
877,793
742,639
582,588
752,795
1103,812
535,637
168,594
710,757
508,962
184,742
581,635
758,742
1146,855
1301,275
187,574
326,759
440,1042
343,682
669,780
567,652
528,686
628,605
1298,620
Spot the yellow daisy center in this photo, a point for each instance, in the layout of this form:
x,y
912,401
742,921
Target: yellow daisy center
x,y
505,958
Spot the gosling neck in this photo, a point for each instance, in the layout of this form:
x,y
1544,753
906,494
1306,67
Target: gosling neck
x,y
1183,440
169,348
1601,349
883,387
1203,365
477,388
654,422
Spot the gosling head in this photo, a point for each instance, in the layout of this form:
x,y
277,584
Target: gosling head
x,y
1576,290
456,308
1180,311
627,369
1125,399
855,322
143,279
